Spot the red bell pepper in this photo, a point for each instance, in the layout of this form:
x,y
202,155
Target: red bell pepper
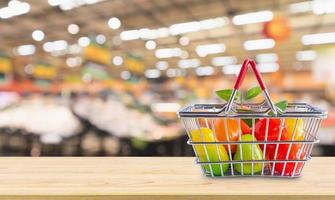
x,y
293,155
273,135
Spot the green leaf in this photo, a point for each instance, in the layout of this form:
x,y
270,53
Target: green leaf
x,y
253,92
281,105
225,94
248,121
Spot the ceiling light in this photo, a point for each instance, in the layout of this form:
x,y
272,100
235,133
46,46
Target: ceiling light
x,y
323,6
175,29
204,50
168,53
84,41
58,45
90,1
231,69
267,58
267,67
259,44
125,75
301,7
182,28
262,68
320,38
152,73
117,60
130,35
25,50
114,23
163,32
70,4
224,60
150,45
54,2
184,41
195,26
213,23
189,63
37,35
100,39
73,61
255,17
204,71
306,55
73,29
14,8
147,34
162,65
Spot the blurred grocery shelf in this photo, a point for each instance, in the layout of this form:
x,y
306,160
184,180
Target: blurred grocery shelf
x,y
106,77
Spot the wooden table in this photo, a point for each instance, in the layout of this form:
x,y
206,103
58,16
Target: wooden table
x,y
151,178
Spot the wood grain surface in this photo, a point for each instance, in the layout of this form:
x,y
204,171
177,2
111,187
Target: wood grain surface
x,y
151,178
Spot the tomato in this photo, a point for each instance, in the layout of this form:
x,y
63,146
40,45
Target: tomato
x,y
233,131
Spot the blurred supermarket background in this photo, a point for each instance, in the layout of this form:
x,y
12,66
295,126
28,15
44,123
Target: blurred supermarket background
x,y
106,77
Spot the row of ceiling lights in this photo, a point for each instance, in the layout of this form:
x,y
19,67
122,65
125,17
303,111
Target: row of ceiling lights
x,y
15,8
181,28
267,62
202,50
59,47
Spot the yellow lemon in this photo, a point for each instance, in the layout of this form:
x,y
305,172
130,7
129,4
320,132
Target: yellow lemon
x,y
215,153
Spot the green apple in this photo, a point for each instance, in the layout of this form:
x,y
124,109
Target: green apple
x,y
245,150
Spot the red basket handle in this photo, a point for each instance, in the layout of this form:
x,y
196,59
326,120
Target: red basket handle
x,y
259,78
243,72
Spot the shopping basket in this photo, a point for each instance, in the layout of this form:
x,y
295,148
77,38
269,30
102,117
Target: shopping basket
x,y
277,144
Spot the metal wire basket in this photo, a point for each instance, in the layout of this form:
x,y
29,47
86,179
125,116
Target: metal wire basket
x,y
277,144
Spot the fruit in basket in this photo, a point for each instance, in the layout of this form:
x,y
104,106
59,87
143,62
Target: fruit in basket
x,y
293,155
245,152
273,129
299,129
272,135
282,149
215,152
231,130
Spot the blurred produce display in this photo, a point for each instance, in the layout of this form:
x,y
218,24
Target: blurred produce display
x,y
114,117
55,125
